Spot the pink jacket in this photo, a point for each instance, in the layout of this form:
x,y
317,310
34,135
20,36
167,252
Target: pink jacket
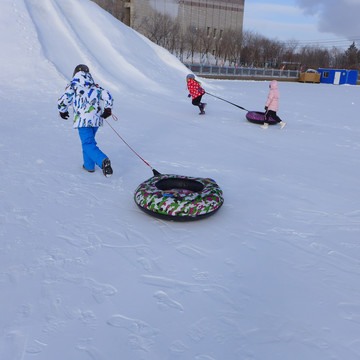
x,y
272,101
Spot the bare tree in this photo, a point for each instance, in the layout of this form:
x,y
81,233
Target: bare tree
x,y
314,57
192,41
230,45
290,51
337,58
174,37
247,52
206,43
157,28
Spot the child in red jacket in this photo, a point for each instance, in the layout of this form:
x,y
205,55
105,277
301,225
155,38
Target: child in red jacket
x,y
196,92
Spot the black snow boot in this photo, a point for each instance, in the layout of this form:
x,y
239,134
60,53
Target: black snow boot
x,y
106,167
90,171
202,107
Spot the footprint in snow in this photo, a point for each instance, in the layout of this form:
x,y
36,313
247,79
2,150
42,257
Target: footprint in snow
x,y
134,326
164,301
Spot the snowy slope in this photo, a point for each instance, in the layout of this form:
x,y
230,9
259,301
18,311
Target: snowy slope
x,y
84,274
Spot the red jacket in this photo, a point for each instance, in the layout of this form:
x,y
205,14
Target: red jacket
x,y
195,88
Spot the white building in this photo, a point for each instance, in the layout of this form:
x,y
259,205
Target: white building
x,y
213,15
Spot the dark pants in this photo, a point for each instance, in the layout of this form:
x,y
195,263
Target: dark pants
x,y
196,101
272,114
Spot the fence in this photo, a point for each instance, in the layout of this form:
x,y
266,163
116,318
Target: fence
x,y
241,72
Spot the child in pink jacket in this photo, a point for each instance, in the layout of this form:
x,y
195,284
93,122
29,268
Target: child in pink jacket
x,y
272,105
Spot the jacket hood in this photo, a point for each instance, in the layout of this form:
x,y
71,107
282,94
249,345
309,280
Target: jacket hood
x,y
83,79
274,85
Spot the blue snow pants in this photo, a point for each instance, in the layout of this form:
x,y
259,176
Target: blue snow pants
x,y
91,153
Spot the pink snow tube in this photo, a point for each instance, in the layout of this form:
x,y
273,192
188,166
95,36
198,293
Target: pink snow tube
x,y
258,117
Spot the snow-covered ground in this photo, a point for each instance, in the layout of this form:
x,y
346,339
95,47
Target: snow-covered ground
x,y
86,275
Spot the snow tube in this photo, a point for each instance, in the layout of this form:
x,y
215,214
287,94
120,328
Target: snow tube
x,y
258,117
179,198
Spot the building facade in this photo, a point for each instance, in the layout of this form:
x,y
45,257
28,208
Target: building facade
x,y
117,8
213,15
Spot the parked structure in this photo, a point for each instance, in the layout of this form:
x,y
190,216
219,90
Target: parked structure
x,y
338,76
310,76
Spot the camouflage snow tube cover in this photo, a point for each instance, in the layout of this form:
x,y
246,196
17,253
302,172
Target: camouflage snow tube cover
x,y
180,198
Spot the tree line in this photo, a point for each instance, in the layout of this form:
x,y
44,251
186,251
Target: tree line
x,y
242,48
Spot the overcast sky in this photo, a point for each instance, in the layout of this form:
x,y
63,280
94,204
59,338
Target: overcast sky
x,y
321,22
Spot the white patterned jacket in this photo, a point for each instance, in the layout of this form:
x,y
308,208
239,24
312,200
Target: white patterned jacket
x,y
88,100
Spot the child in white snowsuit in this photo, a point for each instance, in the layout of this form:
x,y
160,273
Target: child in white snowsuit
x,y
272,105
91,104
